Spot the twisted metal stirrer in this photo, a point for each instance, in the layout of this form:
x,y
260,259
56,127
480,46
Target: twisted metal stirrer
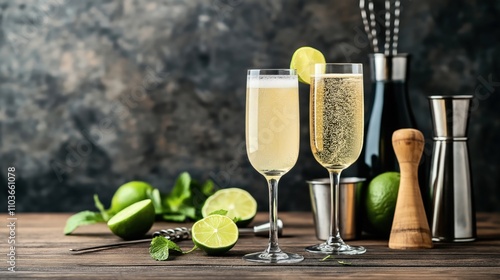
x,y
180,233
387,45
370,26
397,12
175,234
373,24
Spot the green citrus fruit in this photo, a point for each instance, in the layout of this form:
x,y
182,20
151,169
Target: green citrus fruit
x,y
303,60
128,194
134,221
239,204
215,234
380,203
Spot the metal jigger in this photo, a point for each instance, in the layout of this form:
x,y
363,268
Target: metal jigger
x,y
453,217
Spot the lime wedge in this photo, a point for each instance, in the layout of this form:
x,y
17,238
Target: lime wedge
x,y
239,204
215,234
134,221
303,61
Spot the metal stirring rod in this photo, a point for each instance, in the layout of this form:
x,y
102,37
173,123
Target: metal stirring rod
x,y
395,38
387,46
181,233
369,22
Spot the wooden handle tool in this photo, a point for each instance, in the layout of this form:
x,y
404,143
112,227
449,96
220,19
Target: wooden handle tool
x,y
410,229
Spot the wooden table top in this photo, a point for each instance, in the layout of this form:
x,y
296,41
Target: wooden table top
x,y
42,251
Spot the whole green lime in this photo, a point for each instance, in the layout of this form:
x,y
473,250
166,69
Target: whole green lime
x,y
134,221
380,203
128,194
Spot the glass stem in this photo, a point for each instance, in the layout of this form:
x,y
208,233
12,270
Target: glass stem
x,y
334,209
273,216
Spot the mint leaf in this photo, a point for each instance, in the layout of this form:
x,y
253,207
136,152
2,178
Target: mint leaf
x,y
186,199
179,193
155,197
188,211
208,188
236,219
222,212
199,194
160,248
100,207
181,214
80,219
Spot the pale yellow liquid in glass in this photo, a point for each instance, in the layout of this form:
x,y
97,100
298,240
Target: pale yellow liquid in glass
x,y
336,122
272,125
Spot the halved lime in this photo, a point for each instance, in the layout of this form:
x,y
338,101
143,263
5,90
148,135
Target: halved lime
x,y
303,61
239,204
134,221
215,234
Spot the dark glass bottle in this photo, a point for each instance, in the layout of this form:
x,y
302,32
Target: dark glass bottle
x,y
390,112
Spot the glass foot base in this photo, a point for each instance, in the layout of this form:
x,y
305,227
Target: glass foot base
x,y
281,257
336,249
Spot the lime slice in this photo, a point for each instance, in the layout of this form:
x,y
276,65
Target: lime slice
x,y
303,60
134,221
239,204
215,234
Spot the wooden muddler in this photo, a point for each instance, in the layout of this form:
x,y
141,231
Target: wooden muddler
x,y
410,229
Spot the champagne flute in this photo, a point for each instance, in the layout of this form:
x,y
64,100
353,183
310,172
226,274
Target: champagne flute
x,y
336,124
272,142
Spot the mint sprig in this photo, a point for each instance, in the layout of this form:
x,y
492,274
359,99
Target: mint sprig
x,y
160,248
82,218
87,217
183,202
186,199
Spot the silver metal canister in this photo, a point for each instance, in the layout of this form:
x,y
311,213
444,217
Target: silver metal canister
x,y
453,217
319,190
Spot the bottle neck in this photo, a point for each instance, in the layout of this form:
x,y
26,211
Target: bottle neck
x,y
388,67
450,139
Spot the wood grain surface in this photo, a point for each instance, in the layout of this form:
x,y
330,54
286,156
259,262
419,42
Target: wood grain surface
x,y
42,252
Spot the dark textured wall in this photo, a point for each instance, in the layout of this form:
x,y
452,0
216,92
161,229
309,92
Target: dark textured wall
x,y
97,93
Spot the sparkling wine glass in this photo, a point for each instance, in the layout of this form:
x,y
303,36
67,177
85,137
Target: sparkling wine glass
x,y
336,127
272,142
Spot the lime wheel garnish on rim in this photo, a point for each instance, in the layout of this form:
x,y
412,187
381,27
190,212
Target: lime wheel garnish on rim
x,y
303,60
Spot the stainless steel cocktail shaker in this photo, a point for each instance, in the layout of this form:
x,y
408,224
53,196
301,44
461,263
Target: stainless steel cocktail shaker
x,y
453,217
